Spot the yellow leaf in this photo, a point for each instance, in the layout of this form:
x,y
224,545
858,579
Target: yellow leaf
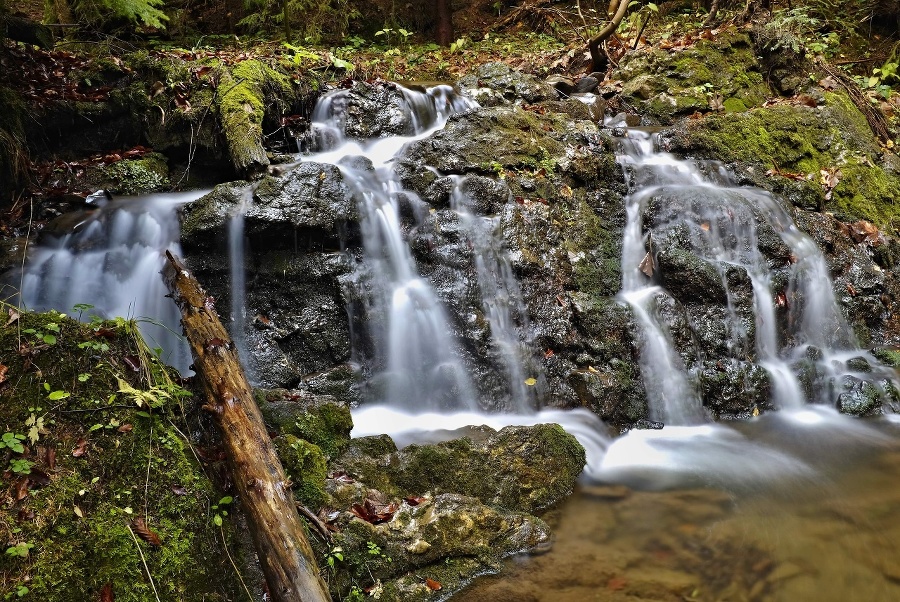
x,y
756,411
78,512
531,382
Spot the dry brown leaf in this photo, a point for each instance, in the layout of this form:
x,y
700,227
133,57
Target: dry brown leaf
x,y
13,315
80,447
3,371
144,532
433,585
106,594
647,265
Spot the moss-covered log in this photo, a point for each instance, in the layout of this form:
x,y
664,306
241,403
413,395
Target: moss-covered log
x,y
285,554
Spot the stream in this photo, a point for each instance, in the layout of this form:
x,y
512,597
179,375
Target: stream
x,y
791,505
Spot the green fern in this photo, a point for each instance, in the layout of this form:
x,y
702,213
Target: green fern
x,y
139,12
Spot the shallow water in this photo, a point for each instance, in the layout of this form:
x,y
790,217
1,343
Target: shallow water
x,y
828,532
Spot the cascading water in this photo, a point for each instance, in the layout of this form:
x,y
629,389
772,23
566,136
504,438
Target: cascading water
x,y
110,257
417,359
418,364
697,208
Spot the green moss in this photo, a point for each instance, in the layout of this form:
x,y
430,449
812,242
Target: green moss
x,y
669,84
327,426
79,522
805,140
148,174
734,105
305,464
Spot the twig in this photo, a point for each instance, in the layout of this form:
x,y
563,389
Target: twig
x,y
320,527
231,560
147,479
144,560
22,275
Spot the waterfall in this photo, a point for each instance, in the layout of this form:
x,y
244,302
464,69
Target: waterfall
x,y
110,257
735,232
418,363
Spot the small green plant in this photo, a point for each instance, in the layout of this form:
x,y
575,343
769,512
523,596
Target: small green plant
x,y
459,44
373,549
20,550
221,510
20,466
13,442
46,334
387,32
300,56
334,556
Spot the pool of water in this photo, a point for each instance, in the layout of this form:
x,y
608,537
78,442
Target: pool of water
x,y
821,527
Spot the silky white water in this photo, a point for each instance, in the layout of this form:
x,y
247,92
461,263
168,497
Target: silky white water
x,y
110,257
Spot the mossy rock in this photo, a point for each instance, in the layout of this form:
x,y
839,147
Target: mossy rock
x,y
669,83
98,462
802,140
519,468
148,174
484,140
305,464
317,419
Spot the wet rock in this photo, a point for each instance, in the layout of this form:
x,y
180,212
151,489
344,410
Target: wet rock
x,y
205,221
731,388
562,84
495,83
586,84
517,468
482,141
311,196
859,397
376,110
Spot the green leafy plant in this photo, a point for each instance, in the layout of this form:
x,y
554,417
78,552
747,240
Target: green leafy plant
x,y
221,510
20,466
20,550
138,12
46,334
13,442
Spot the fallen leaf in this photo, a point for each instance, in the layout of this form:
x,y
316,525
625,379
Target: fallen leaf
x,y
616,583
565,191
106,594
852,290
80,448
13,315
531,381
647,266
21,489
125,428
133,362
77,511
781,300
144,532
341,477
50,458
179,489
433,585
374,513
3,370
705,226
415,500
38,478
716,102
548,354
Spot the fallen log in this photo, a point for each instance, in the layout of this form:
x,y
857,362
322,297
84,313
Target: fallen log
x,y
264,491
